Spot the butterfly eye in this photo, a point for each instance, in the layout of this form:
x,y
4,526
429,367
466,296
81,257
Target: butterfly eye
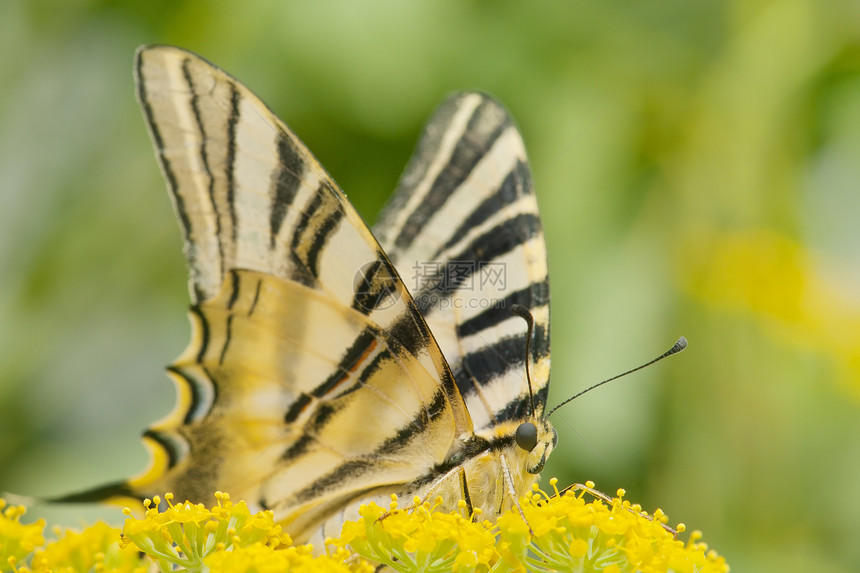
x,y
526,436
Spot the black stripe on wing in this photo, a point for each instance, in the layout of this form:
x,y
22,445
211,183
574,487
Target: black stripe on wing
x,y
194,104
515,185
534,295
369,464
376,286
206,138
317,223
487,123
495,360
480,252
285,185
521,407
230,163
166,167
352,358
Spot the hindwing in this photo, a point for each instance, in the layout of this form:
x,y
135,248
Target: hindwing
x,y
464,232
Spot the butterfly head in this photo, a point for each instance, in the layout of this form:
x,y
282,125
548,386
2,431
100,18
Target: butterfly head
x,y
535,439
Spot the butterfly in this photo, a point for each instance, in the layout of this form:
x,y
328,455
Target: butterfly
x,y
329,365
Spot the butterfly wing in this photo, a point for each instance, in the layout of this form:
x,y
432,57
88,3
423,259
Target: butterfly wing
x,y
312,379
463,230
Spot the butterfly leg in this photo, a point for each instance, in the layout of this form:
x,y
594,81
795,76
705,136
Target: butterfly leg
x,y
460,472
606,499
511,491
464,489
586,488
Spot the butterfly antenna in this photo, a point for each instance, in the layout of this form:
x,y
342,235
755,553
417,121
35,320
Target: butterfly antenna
x,y
680,345
524,313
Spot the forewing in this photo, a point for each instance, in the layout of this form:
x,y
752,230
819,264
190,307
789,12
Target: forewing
x,y
464,232
311,377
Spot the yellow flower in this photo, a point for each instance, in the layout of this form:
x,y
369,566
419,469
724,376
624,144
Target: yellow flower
x,y
781,284
17,540
570,533
186,533
261,558
95,548
564,532
419,539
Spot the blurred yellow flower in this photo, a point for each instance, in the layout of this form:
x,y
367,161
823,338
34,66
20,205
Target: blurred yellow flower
x,y
17,539
95,548
261,558
783,285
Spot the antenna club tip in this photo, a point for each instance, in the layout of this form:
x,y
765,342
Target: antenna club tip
x,y
680,345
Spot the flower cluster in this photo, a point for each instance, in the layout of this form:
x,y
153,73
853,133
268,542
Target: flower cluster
x,y
17,540
186,533
562,532
420,539
227,537
97,548
612,535
181,537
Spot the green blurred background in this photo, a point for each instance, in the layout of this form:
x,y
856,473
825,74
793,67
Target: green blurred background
x,y
697,166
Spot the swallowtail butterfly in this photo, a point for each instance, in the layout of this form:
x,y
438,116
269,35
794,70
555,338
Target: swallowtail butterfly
x,y
330,365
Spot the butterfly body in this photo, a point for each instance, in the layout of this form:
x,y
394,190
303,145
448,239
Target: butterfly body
x,y
315,379
498,471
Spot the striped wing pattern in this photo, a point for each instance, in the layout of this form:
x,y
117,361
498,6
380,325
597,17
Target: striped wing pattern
x,y
314,379
463,230
302,329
